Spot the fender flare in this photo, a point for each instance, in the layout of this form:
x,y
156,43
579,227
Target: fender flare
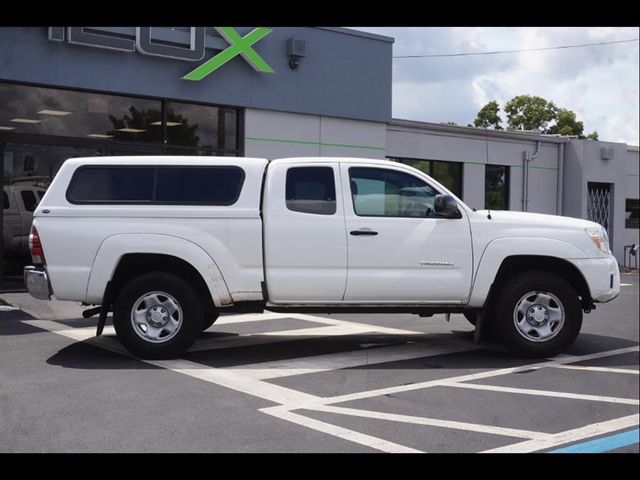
x,y
114,247
499,249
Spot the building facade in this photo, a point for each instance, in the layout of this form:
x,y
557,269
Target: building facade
x,y
88,91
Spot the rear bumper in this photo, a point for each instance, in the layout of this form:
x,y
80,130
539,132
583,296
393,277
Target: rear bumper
x,y
602,276
37,282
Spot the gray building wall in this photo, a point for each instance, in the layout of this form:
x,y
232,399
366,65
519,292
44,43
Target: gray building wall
x,y
583,165
277,134
345,73
477,148
550,191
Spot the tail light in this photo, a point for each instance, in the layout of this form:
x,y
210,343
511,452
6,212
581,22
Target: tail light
x,y
35,245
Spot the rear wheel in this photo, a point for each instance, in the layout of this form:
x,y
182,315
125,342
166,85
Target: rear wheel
x,y
209,320
538,314
158,315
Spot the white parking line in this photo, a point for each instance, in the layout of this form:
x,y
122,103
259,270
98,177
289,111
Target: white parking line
x,y
474,376
568,436
587,368
290,399
433,422
350,359
340,432
542,393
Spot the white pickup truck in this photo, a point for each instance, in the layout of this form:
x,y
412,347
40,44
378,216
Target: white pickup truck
x,y
167,243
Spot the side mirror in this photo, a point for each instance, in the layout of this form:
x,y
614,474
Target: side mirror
x,y
446,207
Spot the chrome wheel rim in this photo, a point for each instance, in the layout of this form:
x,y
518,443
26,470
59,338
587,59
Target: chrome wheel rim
x,y
538,316
156,317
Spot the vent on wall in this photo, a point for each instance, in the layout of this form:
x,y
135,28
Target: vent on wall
x,y
606,153
296,47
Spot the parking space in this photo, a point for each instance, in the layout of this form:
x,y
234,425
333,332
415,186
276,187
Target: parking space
x,y
319,383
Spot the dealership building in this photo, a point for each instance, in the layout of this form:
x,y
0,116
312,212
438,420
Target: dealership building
x,y
269,92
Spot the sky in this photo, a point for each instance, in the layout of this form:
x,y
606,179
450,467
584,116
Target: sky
x,y
599,83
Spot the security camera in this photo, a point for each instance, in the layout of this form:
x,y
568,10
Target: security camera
x,y
294,62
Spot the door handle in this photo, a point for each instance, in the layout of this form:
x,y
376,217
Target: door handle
x,y
363,232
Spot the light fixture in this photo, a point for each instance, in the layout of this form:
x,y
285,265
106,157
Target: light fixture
x,y
169,124
7,128
131,130
25,120
57,113
99,135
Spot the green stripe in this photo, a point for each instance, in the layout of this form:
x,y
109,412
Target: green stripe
x,y
633,175
512,166
316,144
543,168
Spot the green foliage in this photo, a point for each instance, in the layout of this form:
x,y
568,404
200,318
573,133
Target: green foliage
x,y
489,116
566,124
528,112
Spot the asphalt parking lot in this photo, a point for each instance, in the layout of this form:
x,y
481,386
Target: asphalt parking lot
x,y
318,383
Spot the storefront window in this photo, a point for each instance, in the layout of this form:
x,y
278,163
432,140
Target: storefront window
x,y
448,174
204,127
496,187
48,111
42,127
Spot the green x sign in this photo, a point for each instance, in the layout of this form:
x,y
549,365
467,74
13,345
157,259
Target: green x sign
x,y
238,46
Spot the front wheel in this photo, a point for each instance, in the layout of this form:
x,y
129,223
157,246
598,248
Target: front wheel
x,y
158,315
538,314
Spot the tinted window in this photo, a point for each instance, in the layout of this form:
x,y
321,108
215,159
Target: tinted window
x,y
40,194
199,185
448,174
632,213
388,193
29,200
496,187
5,200
112,184
311,190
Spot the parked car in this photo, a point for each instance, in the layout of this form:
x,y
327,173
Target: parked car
x,y
18,204
168,243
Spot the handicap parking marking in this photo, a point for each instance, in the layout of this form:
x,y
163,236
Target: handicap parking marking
x,y
604,444
251,380
554,440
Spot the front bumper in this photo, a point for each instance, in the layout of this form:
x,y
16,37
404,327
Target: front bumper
x,y
37,282
602,276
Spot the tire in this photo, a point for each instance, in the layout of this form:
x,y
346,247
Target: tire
x,y
538,314
210,320
169,315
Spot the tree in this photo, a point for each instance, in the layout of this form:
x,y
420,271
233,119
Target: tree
x,y
529,112
488,116
566,124
592,136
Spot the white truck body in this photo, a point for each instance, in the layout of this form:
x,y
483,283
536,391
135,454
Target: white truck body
x,y
260,250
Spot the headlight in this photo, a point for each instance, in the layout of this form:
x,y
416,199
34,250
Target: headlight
x,y
600,238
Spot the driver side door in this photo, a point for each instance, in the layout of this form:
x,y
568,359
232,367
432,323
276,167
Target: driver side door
x,y
398,250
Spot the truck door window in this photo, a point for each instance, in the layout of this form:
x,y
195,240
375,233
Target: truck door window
x,y
311,190
5,200
29,200
379,192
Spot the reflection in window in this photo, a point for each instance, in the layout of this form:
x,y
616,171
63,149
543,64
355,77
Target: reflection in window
x,y
496,187
632,213
388,193
115,118
29,200
205,127
448,174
